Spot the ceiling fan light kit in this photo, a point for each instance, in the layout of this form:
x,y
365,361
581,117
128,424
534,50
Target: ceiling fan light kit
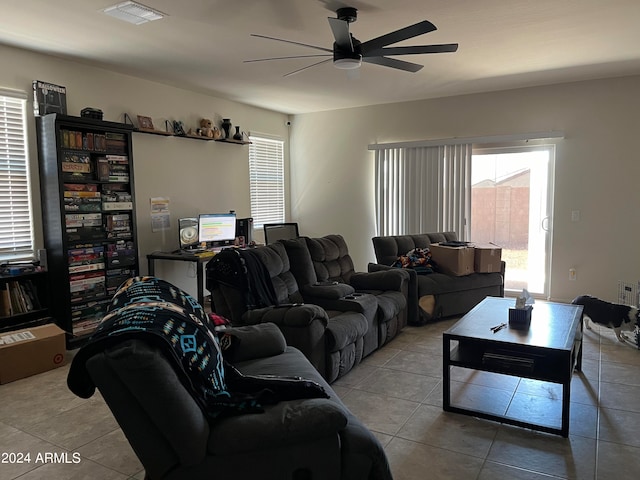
x,y
349,53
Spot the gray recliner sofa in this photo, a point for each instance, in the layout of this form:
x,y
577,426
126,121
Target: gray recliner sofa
x,y
173,438
446,295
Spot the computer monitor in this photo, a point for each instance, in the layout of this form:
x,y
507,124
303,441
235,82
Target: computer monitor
x,y
280,231
217,229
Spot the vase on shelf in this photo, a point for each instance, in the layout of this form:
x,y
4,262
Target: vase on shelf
x,y
226,127
237,135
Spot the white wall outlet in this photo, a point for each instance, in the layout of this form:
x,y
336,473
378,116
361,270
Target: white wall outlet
x,y
575,215
572,274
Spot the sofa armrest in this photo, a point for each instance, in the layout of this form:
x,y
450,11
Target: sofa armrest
x,y
303,327
254,341
392,279
326,290
287,423
412,289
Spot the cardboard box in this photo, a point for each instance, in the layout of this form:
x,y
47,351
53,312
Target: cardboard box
x,y
457,261
29,351
487,258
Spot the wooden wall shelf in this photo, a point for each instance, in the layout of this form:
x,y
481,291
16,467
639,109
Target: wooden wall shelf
x,y
167,133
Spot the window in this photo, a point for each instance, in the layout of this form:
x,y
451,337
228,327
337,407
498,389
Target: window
x,y
266,180
16,237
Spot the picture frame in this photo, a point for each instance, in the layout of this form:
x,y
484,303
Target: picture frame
x,y
145,122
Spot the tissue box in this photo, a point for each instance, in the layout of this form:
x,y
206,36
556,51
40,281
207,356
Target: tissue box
x,y
520,318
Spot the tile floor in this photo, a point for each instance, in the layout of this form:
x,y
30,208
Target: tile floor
x,y
397,392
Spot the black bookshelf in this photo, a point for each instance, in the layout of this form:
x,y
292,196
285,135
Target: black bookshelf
x,y
88,207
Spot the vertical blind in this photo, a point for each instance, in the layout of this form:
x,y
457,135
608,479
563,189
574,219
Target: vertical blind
x,y
16,239
423,189
266,180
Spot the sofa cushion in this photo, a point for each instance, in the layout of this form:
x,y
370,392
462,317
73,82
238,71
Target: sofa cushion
x,y
331,258
343,329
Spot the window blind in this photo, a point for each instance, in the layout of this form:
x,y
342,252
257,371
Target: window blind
x,y
266,180
16,238
424,189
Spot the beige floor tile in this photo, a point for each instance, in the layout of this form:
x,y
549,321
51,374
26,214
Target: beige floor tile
x,y
112,450
356,375
619,426
480,398
76,427
378,412
415,461
84,470
380,357
619,396
459,433
620,353
21,450
408,386
487,379
620,462
496,471
572,458
621,373
417,362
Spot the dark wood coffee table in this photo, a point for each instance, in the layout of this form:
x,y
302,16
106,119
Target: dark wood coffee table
x,y
549,351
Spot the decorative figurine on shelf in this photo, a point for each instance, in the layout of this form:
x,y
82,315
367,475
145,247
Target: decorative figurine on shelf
x,y
178,127
208,130
237,136
226,127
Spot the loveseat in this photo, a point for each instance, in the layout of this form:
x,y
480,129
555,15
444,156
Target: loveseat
x,y
155,398
440,294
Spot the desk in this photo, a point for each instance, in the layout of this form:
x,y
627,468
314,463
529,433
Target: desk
x,y
198,258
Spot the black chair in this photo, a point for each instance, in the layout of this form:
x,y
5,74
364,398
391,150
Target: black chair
x,y
280,231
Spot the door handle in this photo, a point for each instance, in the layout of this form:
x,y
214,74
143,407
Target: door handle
x,y
545,224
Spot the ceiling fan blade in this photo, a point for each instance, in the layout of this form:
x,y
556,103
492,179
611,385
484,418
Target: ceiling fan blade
x,y
285,58
294,43
340,29
418,49
405,33
393,63
308,66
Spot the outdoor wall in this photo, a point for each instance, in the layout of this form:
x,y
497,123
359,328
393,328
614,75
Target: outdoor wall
x,y
197,176
596,170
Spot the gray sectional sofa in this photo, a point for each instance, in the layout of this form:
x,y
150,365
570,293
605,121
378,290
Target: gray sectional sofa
x,y
440,294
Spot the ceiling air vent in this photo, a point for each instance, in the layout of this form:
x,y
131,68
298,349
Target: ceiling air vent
x,y
133,12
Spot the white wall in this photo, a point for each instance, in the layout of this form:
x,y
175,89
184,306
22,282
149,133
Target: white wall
x,y
331,170
198,176
597,169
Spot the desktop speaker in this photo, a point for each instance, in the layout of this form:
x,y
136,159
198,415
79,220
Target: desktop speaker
x,y
244,228
188,232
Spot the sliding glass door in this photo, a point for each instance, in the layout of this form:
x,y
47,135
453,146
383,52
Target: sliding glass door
x,y
511,204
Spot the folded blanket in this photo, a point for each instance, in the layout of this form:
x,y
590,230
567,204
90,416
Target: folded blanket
x,y
153,310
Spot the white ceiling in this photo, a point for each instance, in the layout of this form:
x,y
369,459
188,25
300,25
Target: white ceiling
x,y
201,45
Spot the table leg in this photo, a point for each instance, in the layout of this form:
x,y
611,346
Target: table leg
x,y
566,395
200,280
446,373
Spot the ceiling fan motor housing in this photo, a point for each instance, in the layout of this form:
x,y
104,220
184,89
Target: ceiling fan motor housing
x,y
348,14
344,58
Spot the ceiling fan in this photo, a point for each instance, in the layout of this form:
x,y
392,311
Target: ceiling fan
x,y
348,52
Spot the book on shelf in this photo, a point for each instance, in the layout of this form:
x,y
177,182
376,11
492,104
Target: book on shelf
x,y
110,206
18,296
